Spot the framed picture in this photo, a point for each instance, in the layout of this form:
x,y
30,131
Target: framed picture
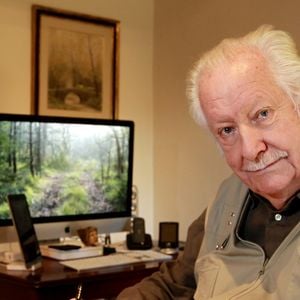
x,y
75,64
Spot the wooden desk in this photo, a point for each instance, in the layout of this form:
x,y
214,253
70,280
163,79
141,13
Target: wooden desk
x,y
54,281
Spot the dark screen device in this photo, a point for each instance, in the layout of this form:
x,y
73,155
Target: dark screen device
x,y
65,247
138,239
138,234
168,234
25,230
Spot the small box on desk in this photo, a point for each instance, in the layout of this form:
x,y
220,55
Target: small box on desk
x,y
69,253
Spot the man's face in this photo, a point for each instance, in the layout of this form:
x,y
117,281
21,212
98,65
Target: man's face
x,y
256,125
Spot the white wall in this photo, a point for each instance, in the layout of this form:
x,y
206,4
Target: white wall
x,y
136,74
187,166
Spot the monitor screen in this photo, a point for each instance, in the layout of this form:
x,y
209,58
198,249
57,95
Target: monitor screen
x,y
70,169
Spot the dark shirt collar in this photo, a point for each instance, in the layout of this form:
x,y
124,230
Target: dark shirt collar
x,y
291,206
264,225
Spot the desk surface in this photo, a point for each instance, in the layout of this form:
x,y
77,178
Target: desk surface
x,y
54,281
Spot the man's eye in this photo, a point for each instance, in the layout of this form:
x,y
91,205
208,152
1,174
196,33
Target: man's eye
x,y
227,135
226,131
263,114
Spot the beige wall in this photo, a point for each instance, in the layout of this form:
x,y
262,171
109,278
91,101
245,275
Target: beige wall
x,y
136,64
177,167
187,166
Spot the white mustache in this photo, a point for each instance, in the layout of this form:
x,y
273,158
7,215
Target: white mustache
x,y
265,160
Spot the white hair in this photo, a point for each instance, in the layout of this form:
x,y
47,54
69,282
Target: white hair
x,y
277,48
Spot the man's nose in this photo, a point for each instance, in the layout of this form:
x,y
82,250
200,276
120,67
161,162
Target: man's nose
x,y
252,142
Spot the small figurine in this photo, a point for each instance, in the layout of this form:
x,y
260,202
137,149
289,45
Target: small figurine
x,y
89,236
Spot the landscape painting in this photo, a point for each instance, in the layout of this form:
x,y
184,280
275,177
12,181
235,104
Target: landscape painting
x,y
75,74
75,64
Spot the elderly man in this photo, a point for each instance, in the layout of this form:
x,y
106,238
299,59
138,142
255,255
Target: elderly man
x,y
247,92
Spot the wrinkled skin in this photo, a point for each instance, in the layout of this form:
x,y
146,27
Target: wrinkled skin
x,y
256,125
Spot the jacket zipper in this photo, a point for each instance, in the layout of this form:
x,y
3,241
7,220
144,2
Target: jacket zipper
x,y
262,271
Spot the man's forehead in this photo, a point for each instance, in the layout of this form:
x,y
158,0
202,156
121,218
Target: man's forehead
x,y
241,64
232,74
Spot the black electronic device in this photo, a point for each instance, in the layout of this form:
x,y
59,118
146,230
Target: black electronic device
x,y
138,234
25,231
168,235
65,247
138,239
77,171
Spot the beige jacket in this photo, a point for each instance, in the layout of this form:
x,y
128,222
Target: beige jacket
x,y
231,268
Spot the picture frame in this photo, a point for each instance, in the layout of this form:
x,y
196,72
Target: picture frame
x,y
75,61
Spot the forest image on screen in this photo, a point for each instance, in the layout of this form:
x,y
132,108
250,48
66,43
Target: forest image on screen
x,y
64,169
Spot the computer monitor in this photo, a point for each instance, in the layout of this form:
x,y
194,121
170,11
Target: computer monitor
x,y
75,172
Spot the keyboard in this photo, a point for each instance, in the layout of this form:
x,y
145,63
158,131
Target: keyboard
x,y
116,259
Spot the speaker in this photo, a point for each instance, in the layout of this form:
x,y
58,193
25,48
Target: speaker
x,y
168,235
138,239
